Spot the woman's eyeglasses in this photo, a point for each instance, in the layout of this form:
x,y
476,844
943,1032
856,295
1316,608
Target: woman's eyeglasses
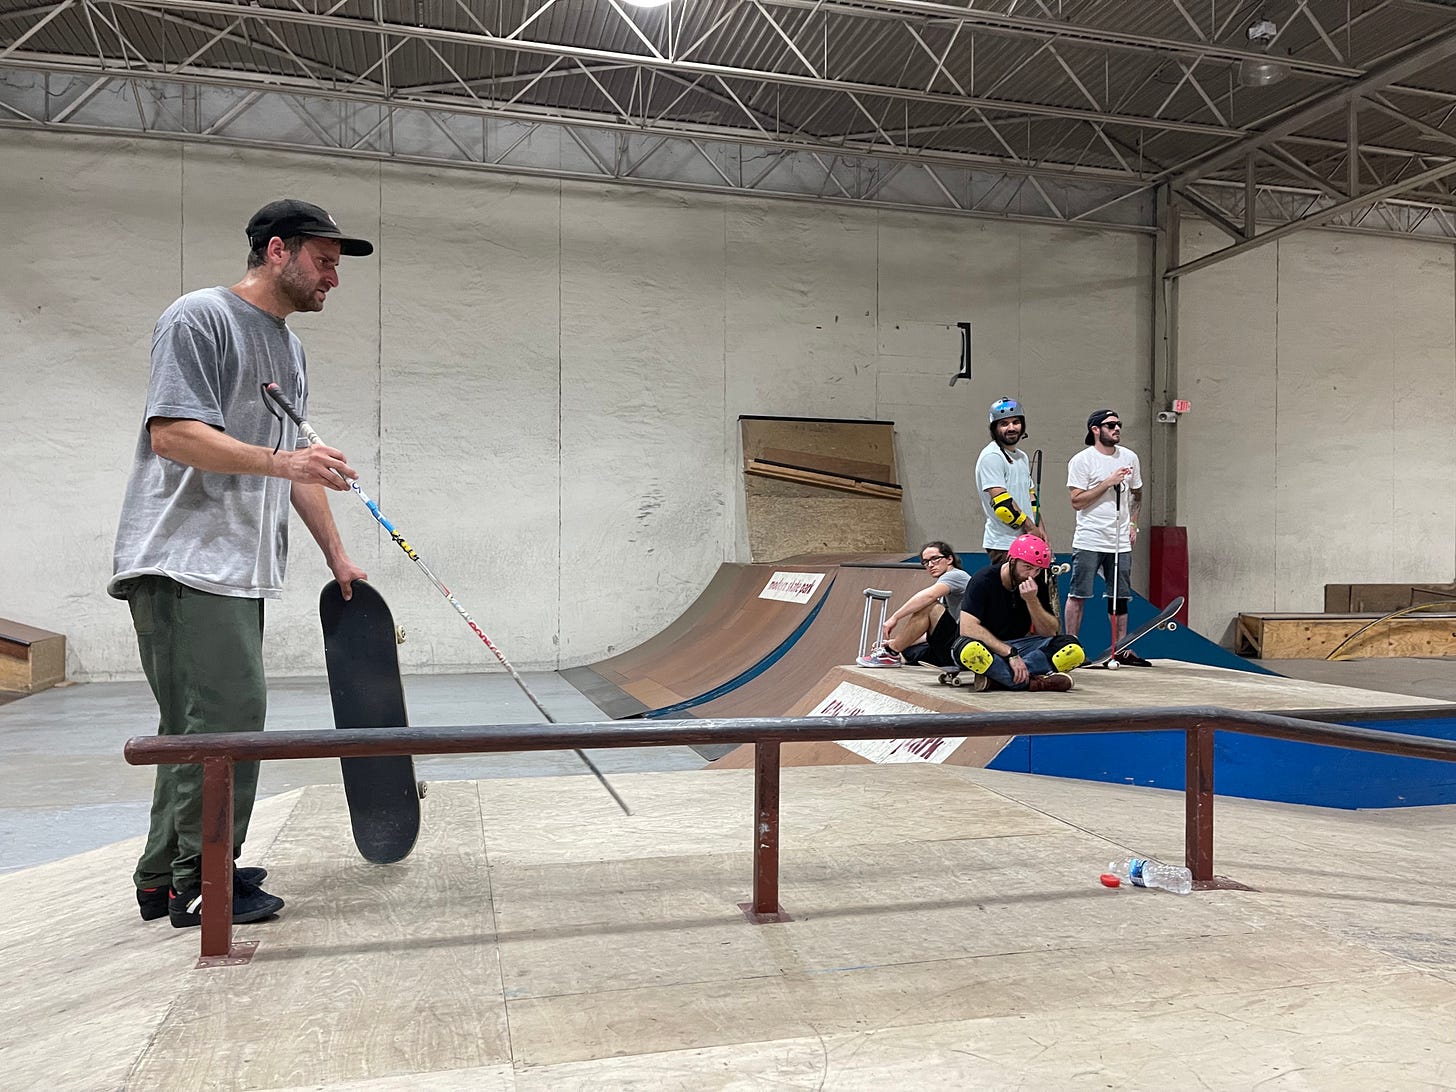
x,y
925,562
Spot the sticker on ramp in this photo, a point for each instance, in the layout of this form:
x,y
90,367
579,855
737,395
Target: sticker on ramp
x,y
849,700
792,587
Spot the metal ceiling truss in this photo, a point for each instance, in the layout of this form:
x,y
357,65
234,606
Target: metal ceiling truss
x,y
1052,110
240,114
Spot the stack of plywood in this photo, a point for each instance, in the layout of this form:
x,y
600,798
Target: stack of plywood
x,y
816,486
1360,621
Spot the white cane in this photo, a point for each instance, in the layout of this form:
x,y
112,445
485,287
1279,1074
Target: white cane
x,y
1112,664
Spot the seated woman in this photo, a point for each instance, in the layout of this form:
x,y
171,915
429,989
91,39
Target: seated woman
x,y
926,627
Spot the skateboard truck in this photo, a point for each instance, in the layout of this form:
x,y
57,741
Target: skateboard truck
x,y
865,638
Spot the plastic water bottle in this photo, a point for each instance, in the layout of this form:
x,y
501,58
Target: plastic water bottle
x,y
1145,872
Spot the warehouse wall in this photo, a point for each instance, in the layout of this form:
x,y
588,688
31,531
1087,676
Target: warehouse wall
x,y
539,381
1322,371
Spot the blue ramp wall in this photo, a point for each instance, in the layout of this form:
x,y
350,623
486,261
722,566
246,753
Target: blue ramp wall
x,y
1244,766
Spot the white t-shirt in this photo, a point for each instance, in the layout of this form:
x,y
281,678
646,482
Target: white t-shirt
x,y
1100,526
992,469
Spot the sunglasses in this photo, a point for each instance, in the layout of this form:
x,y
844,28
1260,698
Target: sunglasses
x,y
1111,424
926,562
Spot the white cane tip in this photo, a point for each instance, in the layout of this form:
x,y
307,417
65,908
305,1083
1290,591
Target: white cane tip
x,y
1113,665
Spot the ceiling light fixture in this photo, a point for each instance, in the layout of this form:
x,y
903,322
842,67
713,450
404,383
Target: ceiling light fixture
x,y
648,3
1252,73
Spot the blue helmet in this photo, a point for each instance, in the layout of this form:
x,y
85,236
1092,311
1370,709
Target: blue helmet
x,y
1003,408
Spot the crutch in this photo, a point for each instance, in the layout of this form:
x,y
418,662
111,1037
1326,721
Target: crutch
x,y
1112,664
871,595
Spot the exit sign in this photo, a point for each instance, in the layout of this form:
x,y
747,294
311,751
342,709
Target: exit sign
x,y
1181,405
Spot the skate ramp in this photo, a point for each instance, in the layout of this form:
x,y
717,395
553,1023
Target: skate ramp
x,y
831,639
728,631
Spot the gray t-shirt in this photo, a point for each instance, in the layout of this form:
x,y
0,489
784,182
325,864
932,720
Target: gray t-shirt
x,y
220,533
956,580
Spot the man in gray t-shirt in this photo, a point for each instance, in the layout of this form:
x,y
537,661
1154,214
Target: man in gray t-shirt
x,y
927,625
203,535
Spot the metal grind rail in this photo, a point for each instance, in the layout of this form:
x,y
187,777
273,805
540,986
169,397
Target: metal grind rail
x,y
218,753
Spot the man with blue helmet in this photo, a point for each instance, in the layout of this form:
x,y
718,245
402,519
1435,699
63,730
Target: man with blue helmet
x,y
1003,480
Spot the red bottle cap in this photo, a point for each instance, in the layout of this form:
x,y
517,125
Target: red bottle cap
x,y
1109,880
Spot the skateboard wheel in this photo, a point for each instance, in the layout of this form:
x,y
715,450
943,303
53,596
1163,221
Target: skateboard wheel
x,y
399,635
1172,626
422,787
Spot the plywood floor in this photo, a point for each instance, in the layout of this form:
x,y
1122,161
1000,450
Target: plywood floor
x,y
949,932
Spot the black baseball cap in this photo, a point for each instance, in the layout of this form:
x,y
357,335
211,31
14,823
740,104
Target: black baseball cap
x,y
1095,418
291,217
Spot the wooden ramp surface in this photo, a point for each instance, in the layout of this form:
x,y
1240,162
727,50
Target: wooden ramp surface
x,y
726,631
831,639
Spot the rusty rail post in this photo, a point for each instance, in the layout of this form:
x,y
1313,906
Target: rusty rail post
x,y
765,905
1198,789
217,867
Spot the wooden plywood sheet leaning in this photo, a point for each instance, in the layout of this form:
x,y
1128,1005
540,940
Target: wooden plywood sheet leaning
x,y
814,486
1359,598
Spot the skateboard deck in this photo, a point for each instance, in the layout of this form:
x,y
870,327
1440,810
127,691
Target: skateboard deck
x,y
363,664
1162,620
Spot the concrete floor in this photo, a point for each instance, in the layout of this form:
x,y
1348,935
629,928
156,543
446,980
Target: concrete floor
x,y
64,787
1423,677
948,931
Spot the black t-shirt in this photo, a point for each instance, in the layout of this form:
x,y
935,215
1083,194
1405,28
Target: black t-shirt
x,y
1000,609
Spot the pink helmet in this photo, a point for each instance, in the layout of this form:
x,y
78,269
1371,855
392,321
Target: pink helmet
x,y
1032,550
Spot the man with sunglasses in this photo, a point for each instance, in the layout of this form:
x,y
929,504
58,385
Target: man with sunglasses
x,y
1106,485
926,627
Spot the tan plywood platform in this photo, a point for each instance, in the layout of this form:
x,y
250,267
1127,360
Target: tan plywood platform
x,y
948,932
849,691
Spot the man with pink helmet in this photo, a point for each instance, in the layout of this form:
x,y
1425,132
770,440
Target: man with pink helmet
x,y
1008,629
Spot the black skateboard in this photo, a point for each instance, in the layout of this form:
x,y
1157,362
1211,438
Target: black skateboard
x,y
363,665
1163,620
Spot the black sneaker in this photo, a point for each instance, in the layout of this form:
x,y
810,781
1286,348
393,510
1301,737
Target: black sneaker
x,y
250,903
1129,658
152,901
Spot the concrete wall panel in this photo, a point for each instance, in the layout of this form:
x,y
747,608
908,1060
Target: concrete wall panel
x,y
1227,446
540,382
1322,370
646,504
88,269
469,413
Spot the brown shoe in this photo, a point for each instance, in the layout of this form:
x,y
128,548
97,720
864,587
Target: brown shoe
x,y
1059,681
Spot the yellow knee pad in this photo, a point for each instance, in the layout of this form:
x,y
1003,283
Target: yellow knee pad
x,y
973,656
1068,657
